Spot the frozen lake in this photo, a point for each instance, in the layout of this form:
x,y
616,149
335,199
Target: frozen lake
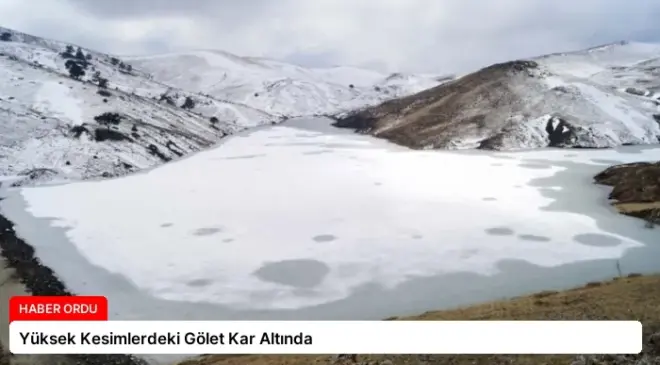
x,y
303,221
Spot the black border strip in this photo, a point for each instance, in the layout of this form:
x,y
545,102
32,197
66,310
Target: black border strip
x,y
41,280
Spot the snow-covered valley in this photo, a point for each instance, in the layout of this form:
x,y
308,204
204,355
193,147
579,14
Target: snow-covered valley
x,y
205,185
306,221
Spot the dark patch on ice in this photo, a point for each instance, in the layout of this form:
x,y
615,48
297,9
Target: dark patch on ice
x,y
207,231
244,157
571,155
606,162
346,145
319,152
292,144
378,183
534,166
533,238
228,240
637,149
299,273
598,240
497,164
321,145
199,282
518,186
500,231
466,254
324,238
502,157
165,225
548,190
305,293
417,236
489,199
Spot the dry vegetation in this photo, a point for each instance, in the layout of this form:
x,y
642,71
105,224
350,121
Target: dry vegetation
x,y
636,189
630,298
435,117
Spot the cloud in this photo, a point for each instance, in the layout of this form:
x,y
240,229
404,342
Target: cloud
x,y
408,35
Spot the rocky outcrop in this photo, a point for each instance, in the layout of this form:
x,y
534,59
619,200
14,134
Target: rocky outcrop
x,y
436,117
636,189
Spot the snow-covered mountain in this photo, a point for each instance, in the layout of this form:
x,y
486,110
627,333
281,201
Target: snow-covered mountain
x,y
277,87
72,113
599,97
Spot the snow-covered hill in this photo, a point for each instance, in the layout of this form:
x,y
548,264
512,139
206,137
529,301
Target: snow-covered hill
x,y
109,120
277,87
75,113
600,97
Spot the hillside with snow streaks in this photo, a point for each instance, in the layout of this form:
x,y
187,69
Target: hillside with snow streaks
x,y
73,113
277,87
600,97
57,127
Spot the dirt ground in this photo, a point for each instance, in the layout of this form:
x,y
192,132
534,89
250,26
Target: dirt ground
x,y
629,298
636,189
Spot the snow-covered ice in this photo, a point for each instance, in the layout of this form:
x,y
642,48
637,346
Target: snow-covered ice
x,y
289,217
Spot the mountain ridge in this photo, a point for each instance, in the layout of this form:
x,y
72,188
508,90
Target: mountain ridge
x,y
278,87
604,96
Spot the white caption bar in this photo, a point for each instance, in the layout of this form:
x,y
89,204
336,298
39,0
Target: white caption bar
x,y
325,337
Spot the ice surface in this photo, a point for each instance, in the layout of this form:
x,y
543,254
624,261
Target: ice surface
x,y
288,228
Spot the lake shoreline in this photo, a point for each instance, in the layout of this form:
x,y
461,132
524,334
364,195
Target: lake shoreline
x,y
631,297
513,277
23,274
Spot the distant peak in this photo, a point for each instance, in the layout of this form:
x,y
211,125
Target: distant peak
x,y
608,45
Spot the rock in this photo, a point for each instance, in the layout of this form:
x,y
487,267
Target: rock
x,y
35,176
636,189
560,133
105,134
344,359
634,91
78,130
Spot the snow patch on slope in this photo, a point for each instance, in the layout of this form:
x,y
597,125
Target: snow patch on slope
x,y
53,98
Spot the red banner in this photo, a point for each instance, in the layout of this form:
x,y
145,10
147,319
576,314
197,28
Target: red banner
x,y
58,308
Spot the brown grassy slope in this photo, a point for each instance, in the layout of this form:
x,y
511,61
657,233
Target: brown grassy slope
x,y
633,298
636,189
436,116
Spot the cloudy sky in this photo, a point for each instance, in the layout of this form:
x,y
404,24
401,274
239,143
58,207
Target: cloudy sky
x,y
408,35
